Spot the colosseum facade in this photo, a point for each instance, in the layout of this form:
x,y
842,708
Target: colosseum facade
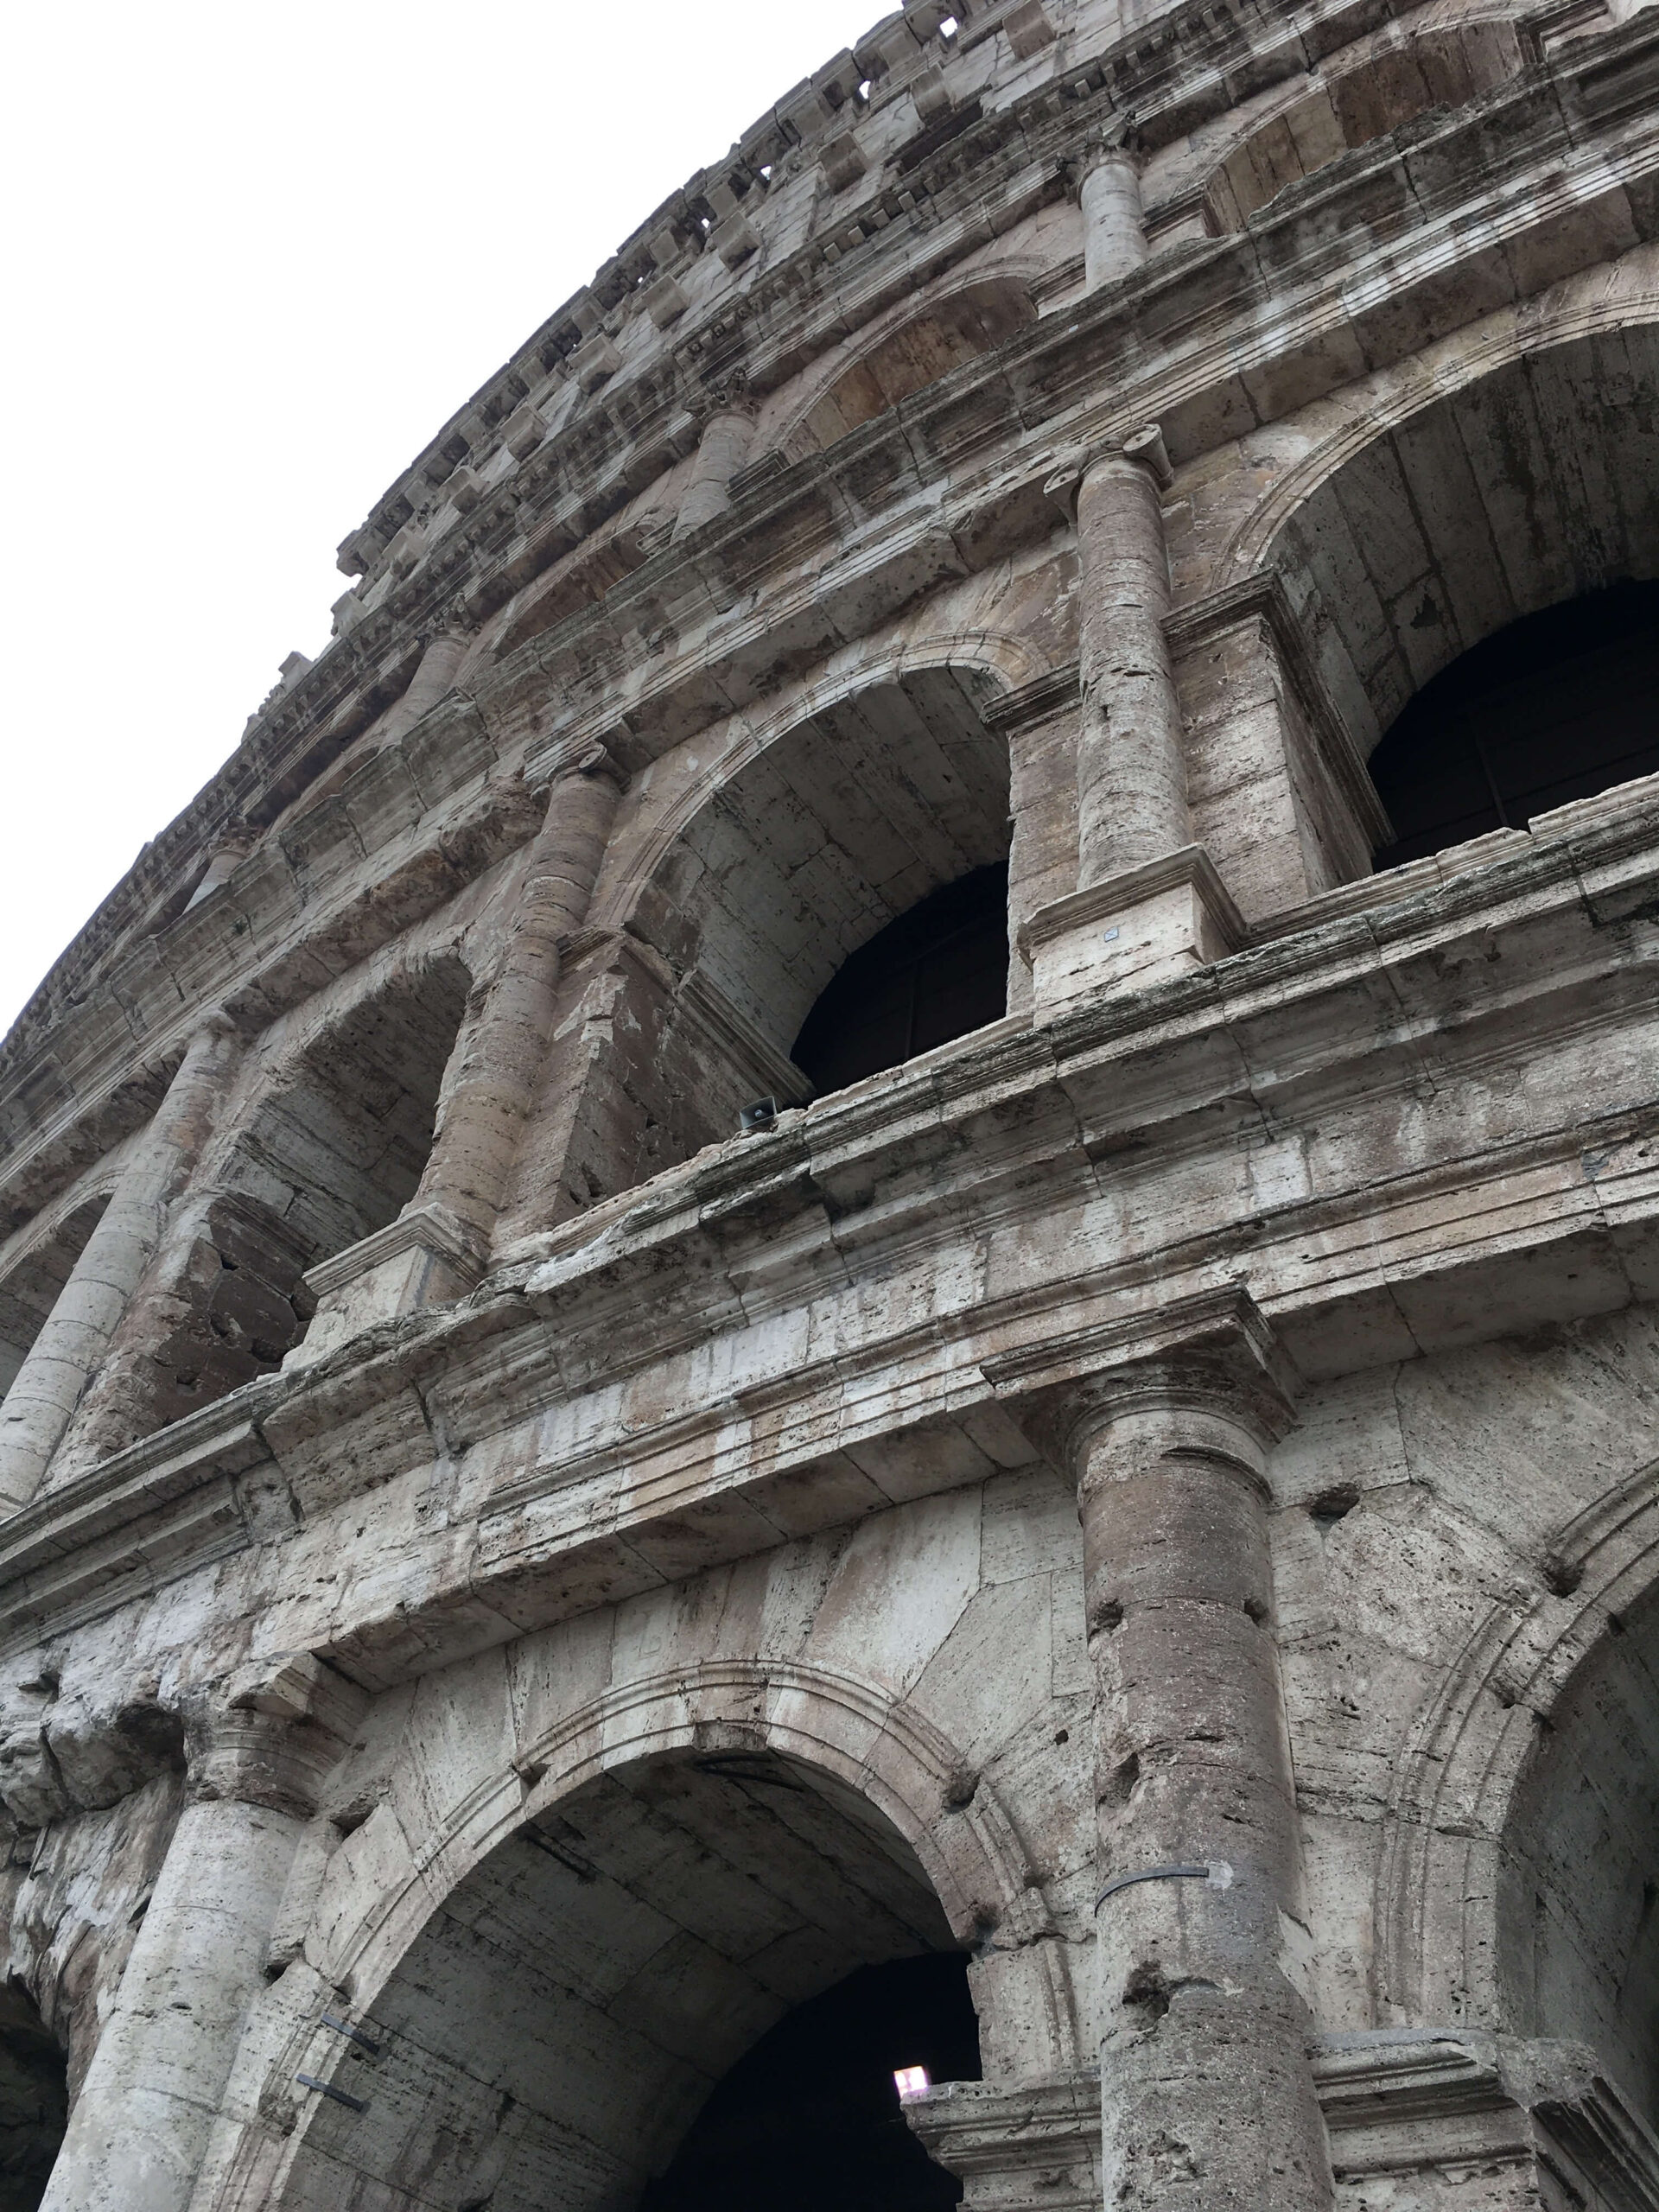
x,y
850,1271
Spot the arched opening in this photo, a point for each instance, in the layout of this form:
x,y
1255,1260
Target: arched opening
x,y
1558,706
1514,498
1444,68
811,2117
30,1290
333,1151
937,973
1578,1878
676,1938
337,1148
953,331
34,2101
775,875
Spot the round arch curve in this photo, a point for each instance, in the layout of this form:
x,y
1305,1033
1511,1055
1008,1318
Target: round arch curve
x,y
1444,1903
861,1746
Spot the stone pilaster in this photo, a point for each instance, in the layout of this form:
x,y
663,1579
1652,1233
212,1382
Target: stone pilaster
x,y
93,1302
500,1053
1206,2084
1131,777
1280,795
141,2124
434,678
1149,902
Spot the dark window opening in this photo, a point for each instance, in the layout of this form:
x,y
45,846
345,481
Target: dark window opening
x,y
1559,706
937,973
34,2101
810,2117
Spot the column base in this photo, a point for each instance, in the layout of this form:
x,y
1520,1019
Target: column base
x,y
1141,927
427,1256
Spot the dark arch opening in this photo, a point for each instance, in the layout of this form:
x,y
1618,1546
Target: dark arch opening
x,y
1558,706
34,2101
811,2116
937,973
656,1956
1577,1893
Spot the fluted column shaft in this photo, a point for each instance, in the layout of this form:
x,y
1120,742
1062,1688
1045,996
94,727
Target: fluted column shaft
x,y
77,1333
1131,773
1206,2088
492,1087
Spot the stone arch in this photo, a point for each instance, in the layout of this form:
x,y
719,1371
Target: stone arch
x,y
904,353
1296,460
737,884
802,853
860,1744
1461,513
819,828
334,1143
993,662
1361,95
1453,1849
326,1145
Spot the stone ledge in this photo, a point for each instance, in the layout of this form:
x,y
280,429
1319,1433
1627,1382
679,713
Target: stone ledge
x,y
1400,2105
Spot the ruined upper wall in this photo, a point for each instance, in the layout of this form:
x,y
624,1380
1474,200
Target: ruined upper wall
x,y
538,525
872,174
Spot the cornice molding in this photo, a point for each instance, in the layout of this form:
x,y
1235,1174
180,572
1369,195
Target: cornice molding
x,y
1189,865
431,1229
204,1488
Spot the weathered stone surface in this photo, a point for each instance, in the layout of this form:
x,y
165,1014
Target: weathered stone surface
x,y
511,1586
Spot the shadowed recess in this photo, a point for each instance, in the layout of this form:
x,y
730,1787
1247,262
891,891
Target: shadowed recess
x,y
1578,1871
34,2101
937,973
1556,706
568,2012
811,2119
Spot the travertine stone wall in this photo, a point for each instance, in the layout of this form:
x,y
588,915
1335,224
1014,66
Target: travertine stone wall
x,y
508,1585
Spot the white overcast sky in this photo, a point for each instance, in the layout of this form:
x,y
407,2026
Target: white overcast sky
x,y
257,253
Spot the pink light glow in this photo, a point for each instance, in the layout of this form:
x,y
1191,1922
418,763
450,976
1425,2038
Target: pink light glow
x,y
911,2081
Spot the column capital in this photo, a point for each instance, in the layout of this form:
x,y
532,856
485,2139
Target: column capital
x,y
1118,143
1210,1358
1142,447
594,761
268,1732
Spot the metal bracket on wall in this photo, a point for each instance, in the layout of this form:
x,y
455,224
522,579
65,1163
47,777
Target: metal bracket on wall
x,y
1217,1872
